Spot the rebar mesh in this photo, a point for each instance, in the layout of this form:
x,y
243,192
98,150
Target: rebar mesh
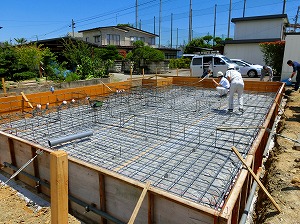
x,y
165,135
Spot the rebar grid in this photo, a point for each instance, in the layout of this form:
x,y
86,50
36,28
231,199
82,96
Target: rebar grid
x,y
164,135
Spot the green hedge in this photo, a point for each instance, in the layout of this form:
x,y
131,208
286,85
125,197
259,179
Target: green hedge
x,y
180,63
24,76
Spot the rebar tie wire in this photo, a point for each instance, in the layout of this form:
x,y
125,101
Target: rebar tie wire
x,y
38,152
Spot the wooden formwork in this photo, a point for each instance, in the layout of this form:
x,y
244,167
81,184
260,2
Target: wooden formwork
x,y
14,103
102,196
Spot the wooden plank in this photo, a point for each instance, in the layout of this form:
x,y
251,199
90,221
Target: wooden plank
x,y
102,196
139,203
36,168
3,86
59,187
150,208
26,100
12,153
256,178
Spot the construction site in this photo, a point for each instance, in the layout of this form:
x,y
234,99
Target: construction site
x,y
163,145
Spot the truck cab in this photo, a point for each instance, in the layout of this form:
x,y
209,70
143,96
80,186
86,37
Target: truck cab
x,y
215,62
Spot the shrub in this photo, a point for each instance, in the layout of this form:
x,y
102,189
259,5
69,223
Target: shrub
x,y
71,76
273,54
24,76
180,63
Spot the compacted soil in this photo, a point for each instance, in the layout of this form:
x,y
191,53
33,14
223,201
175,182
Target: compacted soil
x,y
282,178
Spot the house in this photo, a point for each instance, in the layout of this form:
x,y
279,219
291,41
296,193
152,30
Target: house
x,y
123,36
249,32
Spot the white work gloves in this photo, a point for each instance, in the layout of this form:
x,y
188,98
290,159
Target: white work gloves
x,y
290,79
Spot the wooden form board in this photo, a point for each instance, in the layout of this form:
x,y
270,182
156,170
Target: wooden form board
x,y
14,103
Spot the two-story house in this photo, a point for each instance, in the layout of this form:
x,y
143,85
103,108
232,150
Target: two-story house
x,y
249,32
121,36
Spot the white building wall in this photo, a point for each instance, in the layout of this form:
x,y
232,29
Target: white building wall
x,y
291,52
249,52
258,29
125,36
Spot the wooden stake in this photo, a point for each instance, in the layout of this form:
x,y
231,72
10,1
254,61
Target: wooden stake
x,y
24,98
139,203
256,178
59,187
3,86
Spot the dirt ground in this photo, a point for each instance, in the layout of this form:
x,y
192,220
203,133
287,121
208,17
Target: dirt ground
x,y
282,179
15,209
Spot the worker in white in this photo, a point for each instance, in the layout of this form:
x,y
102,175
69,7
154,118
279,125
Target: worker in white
x,y
236,86
223,85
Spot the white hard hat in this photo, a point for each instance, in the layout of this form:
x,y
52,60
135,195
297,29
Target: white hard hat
x,y
230,67
220,74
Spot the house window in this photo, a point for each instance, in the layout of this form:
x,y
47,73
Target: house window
x,y
113,39
97,39
87,39
142,39
152,41
133,39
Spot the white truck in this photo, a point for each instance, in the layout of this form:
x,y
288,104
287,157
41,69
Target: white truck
x,y
216,62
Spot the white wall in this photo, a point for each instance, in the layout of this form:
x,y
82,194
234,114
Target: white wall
x,y
258,29
249,52
291,52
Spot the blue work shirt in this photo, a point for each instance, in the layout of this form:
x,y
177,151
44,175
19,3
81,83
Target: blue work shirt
x,y
296,67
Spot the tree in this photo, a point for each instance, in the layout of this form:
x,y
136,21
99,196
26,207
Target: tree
x,y
108,53
29,57
207,39
20,40
191,47
7,61
142,54
273,54
219,41
87,60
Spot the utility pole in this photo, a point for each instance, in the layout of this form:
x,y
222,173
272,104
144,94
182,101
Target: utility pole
x,y
73,26
171,29
136,13
229,18
296,19
177,39
215,22
154,25
159,29
244,8
283,8
190,22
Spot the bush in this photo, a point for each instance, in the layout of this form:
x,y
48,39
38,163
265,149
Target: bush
x,y
71,76
273,54
180,63
24,76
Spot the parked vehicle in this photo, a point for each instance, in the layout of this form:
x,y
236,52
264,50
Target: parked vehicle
x,y
246,68
216,62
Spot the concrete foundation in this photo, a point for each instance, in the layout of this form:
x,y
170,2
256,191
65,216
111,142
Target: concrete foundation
x,y
175,133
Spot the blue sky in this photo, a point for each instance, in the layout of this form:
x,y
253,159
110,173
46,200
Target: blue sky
x,y
32,19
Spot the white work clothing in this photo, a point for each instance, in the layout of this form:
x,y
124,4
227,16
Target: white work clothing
x,y
266,71
236,86
224,86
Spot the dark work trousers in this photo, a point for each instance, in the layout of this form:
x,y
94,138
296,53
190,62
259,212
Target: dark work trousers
x,y
297,80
